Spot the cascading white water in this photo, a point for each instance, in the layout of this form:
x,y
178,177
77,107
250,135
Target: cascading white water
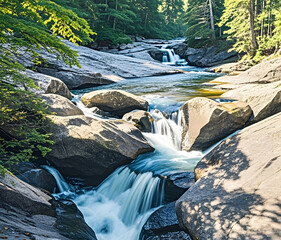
x,y
171,58
168,127
120,206
61,183
169,55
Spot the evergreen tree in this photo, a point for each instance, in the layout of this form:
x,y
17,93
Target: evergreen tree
x,y
24,26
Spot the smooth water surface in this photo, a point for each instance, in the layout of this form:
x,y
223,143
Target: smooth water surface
x,y
166,93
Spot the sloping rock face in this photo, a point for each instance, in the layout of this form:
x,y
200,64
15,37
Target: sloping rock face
x,y
61,105
205,121
265,72
98,68
237,195
163,225
264,99
116,102
48,84
91,149
140,119
28,213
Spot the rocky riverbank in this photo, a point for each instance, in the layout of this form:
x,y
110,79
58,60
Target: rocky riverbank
x,y
236,196
149,49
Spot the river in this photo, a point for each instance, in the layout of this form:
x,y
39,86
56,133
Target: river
x,y
118,208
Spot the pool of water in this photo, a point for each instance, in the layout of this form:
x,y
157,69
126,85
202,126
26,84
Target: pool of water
x,y
167,92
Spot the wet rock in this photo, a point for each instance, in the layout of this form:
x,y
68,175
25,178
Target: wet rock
x,y
92,149
48,84
140,119
14,192
163,224
205,121
156,54
237,195
28,213
39,178
117,102
177,184
61,106
70,221
264,99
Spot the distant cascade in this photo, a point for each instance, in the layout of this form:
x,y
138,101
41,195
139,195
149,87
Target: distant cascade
x,y
170,57
120,206
170,127
61,183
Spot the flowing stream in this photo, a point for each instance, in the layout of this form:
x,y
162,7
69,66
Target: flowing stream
x,y
118,208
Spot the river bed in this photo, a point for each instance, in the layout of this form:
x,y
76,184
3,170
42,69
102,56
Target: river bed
x,y
118,208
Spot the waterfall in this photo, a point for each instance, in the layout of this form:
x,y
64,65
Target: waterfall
x,y
122,203
171,58
119,207
61,183
170,128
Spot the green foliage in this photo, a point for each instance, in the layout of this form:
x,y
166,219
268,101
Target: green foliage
x,y
26,27
198,20
114,19
264,37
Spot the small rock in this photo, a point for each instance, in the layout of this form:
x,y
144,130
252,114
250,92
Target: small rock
x,y
163,224
140,119
177,184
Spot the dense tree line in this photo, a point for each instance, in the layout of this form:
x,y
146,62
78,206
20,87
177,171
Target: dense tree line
x,y
114,20
253,26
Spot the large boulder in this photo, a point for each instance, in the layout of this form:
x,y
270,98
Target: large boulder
x,y
48,84
140,119
163,225
61,106
205,121
238,193
91,149
264,99
97,68
116,102
28,213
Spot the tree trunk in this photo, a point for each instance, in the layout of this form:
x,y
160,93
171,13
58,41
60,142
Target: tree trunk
x,y
252,27
262,21
212,20
145,20
114,20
